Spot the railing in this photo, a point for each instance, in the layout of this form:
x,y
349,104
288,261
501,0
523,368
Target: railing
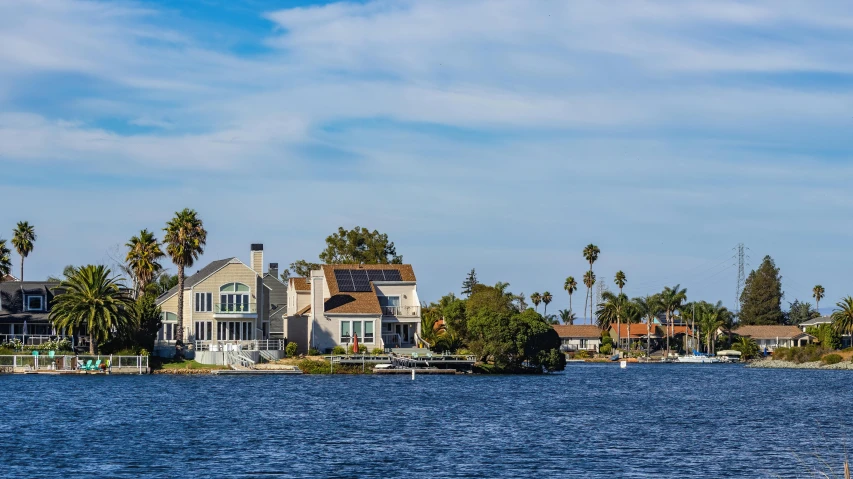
x,y
402,311
32,339
237,358
235,308
253,345
392,340
71,363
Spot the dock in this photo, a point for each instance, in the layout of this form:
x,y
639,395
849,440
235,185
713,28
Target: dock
x,y
416,371
254,372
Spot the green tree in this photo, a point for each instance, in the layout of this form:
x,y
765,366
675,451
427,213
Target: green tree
x,y
671,300
142,259
649,306
620,280
570,286
633,314
303,268
185,240
818,293
67,271
567,316
747,347
546,300
536,298
23,240
359,246
590,253
5,260
469,283
589,282
826,335
284,275
800,312
611,310
842,317
92,300
164,283
761,299
709,323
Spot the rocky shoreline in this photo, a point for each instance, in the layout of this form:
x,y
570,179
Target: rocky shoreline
x,y
777,364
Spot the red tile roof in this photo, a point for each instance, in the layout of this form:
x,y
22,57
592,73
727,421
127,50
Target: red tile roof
x,y
638,330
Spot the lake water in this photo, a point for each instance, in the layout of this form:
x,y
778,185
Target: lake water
x,y
591,421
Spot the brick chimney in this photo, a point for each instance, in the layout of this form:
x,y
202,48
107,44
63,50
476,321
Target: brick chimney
x,y
273,270
258,258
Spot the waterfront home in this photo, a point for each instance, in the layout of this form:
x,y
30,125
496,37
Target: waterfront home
x,y
277,293
24,311
846,339
581,337
227,305
648,335
377,302
770,337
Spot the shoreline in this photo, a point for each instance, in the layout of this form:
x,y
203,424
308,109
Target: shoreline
x,y
779,364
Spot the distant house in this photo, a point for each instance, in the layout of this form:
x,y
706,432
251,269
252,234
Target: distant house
x,y
9,277
24,310
581,337
640,332
770,337
846,339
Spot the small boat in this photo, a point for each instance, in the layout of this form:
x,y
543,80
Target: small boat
x,y
698,357
729,356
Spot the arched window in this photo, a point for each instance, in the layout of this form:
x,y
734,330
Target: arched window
x,y
233,298
167,316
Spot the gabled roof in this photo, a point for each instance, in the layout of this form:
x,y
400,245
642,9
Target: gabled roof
x,y
770,332
817,321
358,302
197,277
299,284
584,331
304,310
638,330
12,300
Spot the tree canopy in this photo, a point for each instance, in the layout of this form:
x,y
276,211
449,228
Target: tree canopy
x,y
470,282
359,245
761,299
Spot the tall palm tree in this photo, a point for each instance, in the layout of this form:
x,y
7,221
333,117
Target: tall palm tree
x,y
671,300
709,323
546,299
818,292
633,314
536,298
142,259
567,316
842,318
5,260
23,239
650,308
589,282
570,286
94,300
590,253
185,240
611,309
620,280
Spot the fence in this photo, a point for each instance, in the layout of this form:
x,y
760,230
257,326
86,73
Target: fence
x,y
19,362
32,339
253,345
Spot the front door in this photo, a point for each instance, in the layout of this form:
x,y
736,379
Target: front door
x,y
404,331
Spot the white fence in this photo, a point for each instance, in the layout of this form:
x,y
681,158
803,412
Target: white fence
x,y
253,345
44,362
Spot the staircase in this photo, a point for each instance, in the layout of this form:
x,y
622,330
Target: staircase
x,y
239,361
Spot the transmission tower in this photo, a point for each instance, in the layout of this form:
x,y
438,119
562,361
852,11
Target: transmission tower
x,y
741,275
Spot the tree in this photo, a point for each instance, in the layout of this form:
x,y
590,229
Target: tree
x,y
67,271
589,282
185,240
799,313
818,293
709,323
671,300
826,335
747,347
469,283
842,317
23,239
94,300
142,259
303,268
5,260
649,306
284,275
570,286
546,299
620,280
761,299
536,298
590,253
164,283
567,316
633,314
359,246
611,310
148,320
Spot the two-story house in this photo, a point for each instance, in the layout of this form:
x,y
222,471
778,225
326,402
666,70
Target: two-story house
x,y
379,303
24,311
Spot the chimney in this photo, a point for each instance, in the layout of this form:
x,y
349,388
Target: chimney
x,y
258,258
273,270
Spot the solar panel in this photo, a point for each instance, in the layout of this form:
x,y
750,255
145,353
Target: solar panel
x,y
375,275
344,280
392,275
360,280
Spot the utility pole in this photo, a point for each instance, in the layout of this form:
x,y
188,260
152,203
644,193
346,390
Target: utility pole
x,y
741,275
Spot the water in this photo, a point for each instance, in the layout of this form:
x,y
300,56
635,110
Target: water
x,y
591,421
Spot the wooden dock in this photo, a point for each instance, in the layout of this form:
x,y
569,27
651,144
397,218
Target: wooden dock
x,y
254,372
417,371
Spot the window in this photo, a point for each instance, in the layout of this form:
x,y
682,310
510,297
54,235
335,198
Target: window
x,y
351,328
35,303
390,305
368,331
234,331
203,330
345,331
167,330
234,298
203,302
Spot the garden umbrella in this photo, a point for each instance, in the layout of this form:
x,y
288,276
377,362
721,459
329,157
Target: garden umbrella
x,y
355,343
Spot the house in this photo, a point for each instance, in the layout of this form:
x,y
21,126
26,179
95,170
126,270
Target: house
x,y
770,337
846,339
581,337
277,293
379,303
648,335
25,310
226,304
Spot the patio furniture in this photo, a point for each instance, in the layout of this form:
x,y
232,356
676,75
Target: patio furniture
x,y
87,366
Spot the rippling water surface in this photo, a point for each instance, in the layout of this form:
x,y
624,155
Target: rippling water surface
x,y
591,421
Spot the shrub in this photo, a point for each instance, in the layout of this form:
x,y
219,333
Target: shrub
x,y
340,351
313,352
583,354
782,354
831,359
463,352
377,351
606,348
290,349
362,349
144,352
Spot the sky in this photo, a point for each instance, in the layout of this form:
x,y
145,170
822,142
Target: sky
x,y
501,135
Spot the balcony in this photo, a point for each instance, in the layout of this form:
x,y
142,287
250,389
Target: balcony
x,y
235,310
402,311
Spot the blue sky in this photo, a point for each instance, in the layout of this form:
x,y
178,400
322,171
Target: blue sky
x,y
500,135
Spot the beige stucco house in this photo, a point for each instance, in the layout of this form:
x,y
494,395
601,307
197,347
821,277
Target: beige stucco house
x,y
378,303
770,337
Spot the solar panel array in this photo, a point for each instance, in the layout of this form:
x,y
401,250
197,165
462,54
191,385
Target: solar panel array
x,y
358,280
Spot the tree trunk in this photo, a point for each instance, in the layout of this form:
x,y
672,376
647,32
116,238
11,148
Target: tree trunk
x,y
585,301
179,331
629,336
667,334
91,344
22,268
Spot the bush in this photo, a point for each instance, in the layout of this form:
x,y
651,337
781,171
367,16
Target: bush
x,y
290,349
782,354
606,348
831,359
340,351
583,354
377,351
463,352
313,352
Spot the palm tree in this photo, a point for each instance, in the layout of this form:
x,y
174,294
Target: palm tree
x,y
142,259
590,253
536,298
620,280
589,282
818,292
23,239
842,318
650,308
185,240
546,298
671,299
570,286
611,309
5,260
709,323
94,300
747,346
567,316
633,313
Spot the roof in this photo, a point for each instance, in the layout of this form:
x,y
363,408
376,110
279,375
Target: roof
x,y
10,277
770,332
278,292
577,331
358,302
638,330
299,284
817,321
12,300
303,310
197,277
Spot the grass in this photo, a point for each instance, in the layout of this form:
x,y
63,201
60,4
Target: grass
x,y
321,366
157,363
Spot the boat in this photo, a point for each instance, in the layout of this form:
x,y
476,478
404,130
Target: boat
x,y
698,357
729,356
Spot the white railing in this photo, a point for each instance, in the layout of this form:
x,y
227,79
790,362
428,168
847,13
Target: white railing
x,y
32,339
237,358
402,311
253,345
72,363
392,340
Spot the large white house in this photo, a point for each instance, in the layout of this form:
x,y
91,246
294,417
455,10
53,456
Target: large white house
x,y
846,339
379,303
